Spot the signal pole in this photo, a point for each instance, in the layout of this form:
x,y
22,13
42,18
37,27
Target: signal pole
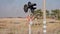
x,y
44,16
30,22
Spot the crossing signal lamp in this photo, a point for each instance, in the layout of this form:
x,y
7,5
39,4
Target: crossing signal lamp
x,y
29,6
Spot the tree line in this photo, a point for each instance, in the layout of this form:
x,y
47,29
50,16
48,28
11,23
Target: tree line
x,y
49,13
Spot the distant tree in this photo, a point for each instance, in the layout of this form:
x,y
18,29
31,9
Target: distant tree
x,y
38,13
47,13
56,13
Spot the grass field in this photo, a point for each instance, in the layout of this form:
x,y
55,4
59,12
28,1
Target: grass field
x,y
53,26
20,26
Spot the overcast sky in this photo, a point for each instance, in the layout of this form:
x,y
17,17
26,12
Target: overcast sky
x,y
14,8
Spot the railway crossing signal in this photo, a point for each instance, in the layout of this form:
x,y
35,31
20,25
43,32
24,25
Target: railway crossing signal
x,y
29,6
32,8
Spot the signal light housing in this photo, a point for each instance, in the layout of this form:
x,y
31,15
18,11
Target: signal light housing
x,y
29,6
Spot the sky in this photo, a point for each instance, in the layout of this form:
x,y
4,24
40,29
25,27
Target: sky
x,y
14,8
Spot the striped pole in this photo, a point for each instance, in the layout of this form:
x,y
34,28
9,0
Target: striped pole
x,y
44,17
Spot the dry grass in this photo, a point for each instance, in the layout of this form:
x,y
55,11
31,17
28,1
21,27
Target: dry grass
x,y
53,28
20,26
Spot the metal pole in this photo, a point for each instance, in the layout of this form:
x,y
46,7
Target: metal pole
x,y
29,29
30,23
44,16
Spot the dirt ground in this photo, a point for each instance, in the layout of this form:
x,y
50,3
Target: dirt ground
x,y
20,26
